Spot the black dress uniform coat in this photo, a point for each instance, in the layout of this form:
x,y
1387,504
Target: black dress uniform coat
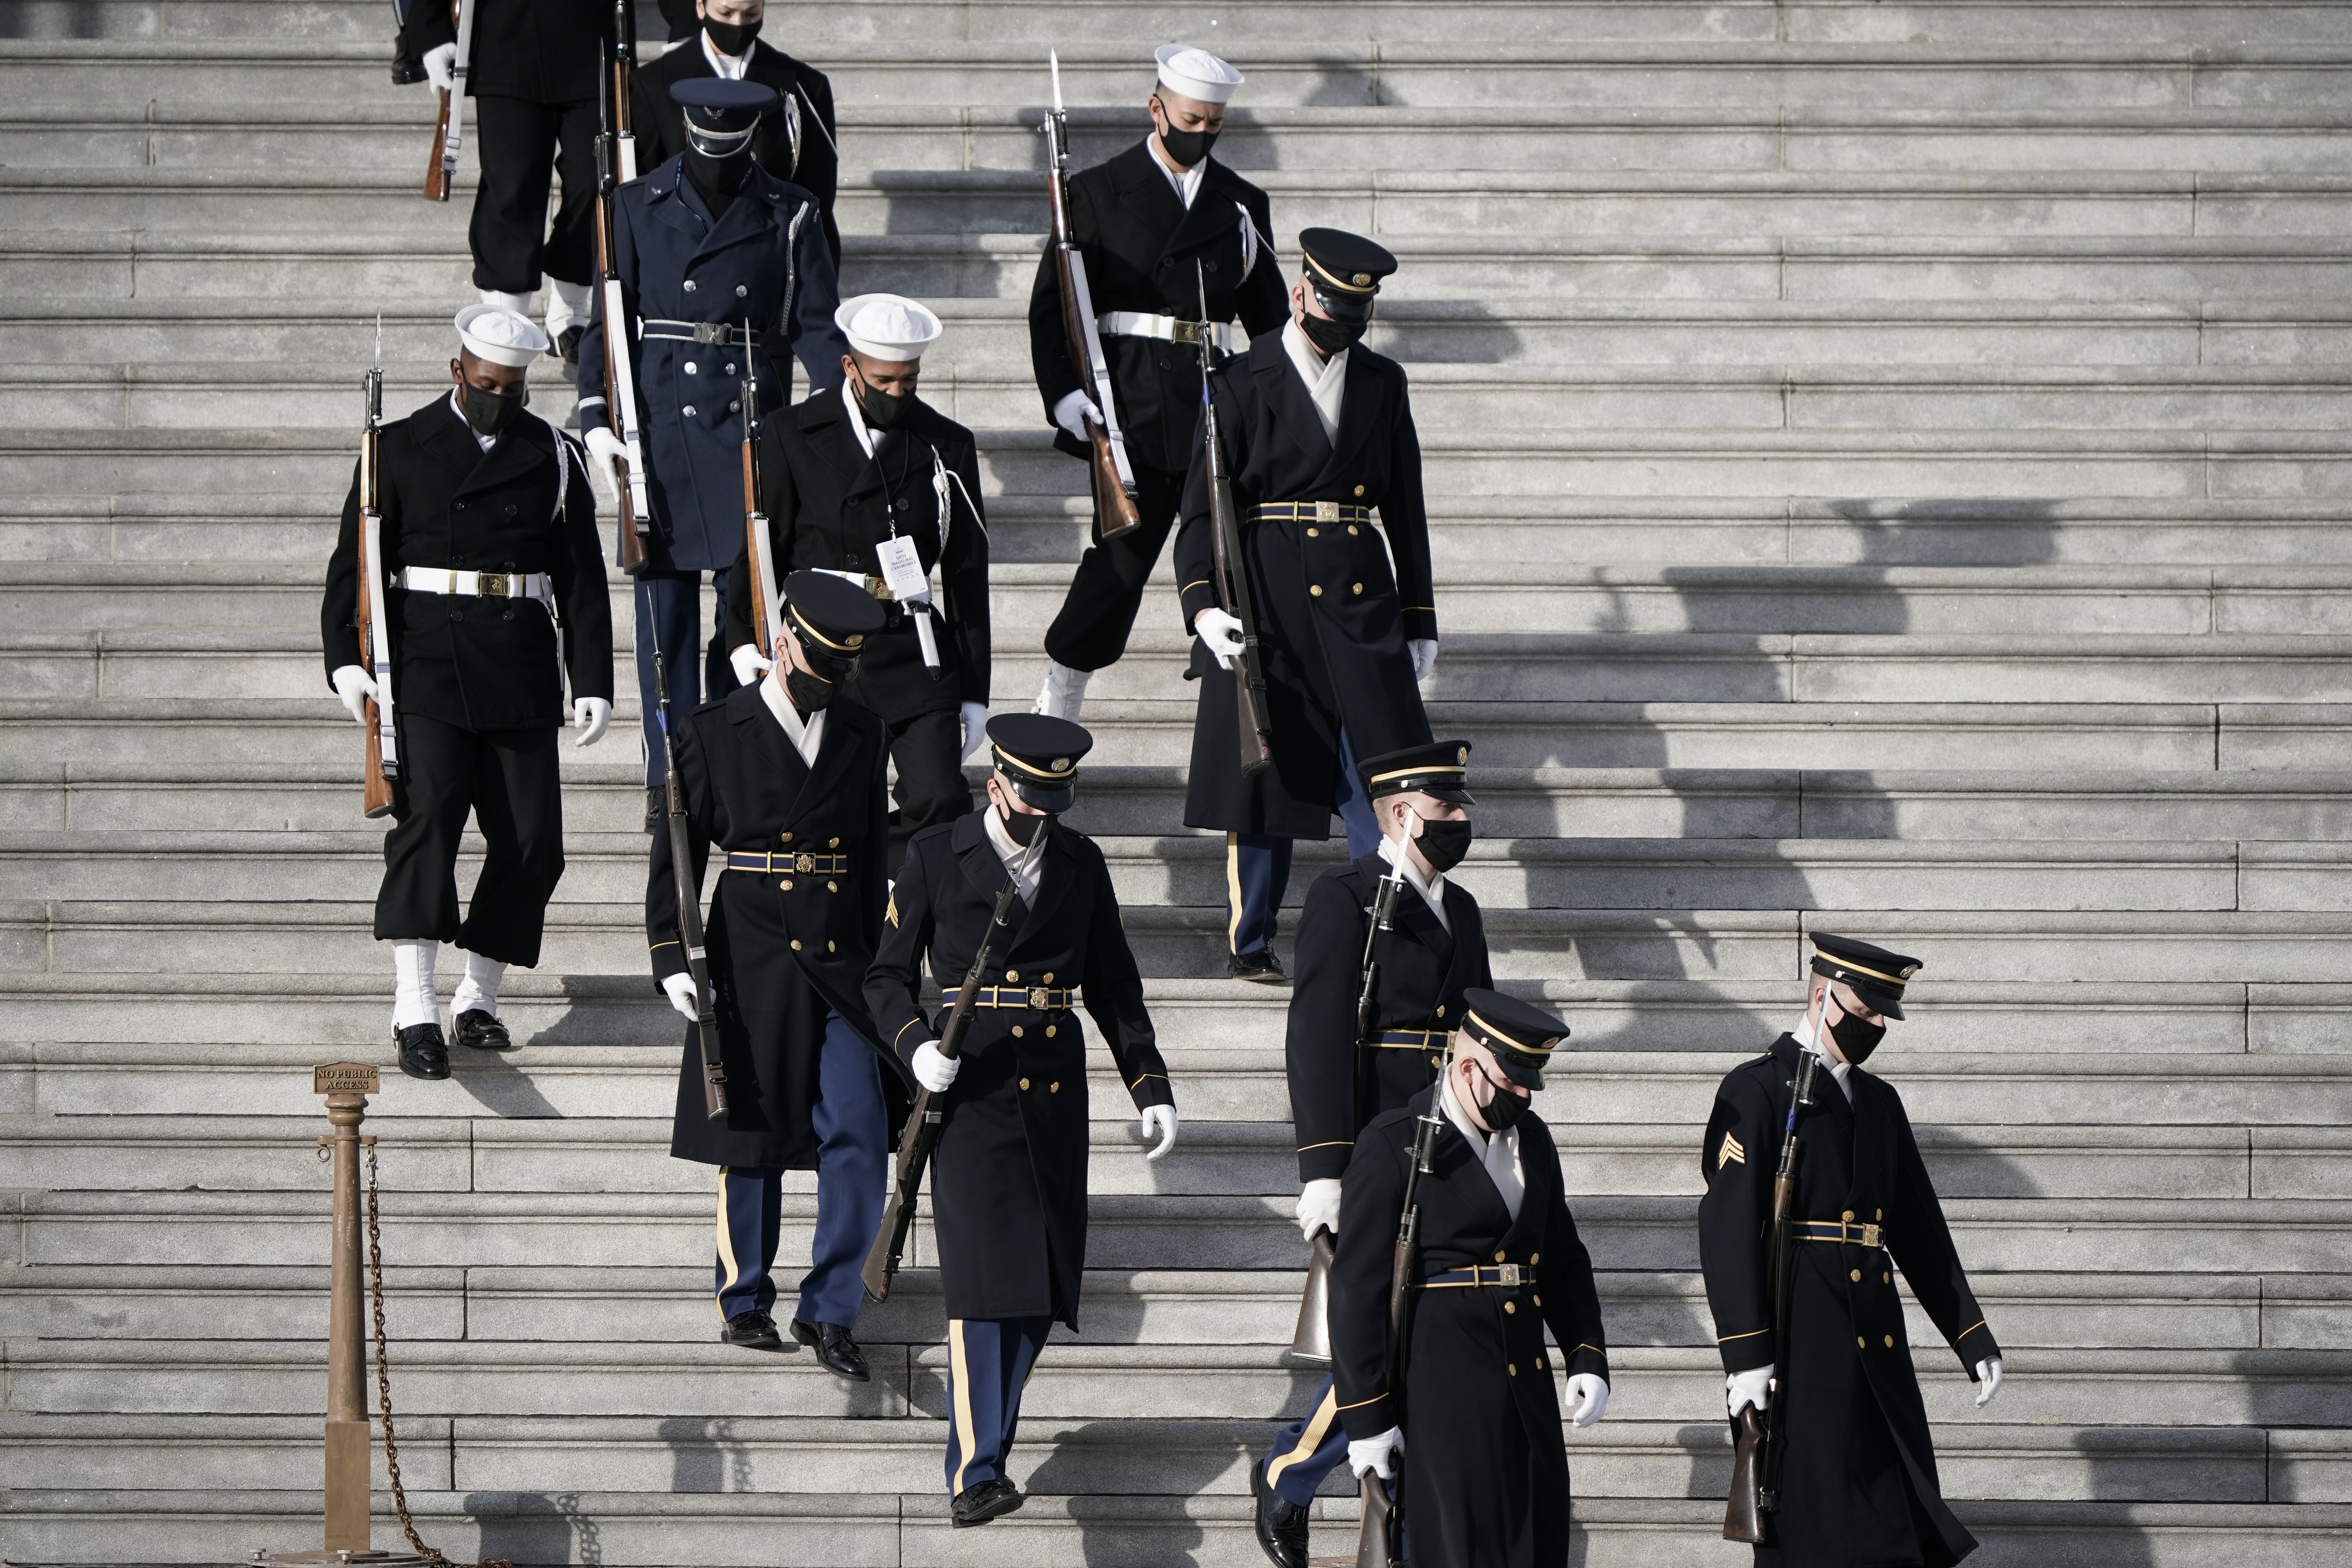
x,y
1860,1482
1486,1471
764,261
829,505
1335,1087
1334,607
543,51
479,664
785,945
813,165
1140,242
1009,1172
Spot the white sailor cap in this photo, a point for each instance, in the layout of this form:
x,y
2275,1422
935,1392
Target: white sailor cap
x,y
887,326
1196,73
495,333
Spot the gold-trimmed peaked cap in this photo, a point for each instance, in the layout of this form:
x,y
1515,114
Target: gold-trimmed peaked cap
x,y
1877,975
832,616
1440,768
1521,1035
1037,755
1345,271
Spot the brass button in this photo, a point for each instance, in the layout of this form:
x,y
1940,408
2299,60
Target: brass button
x,y
1049,977
1049,1031
1360,489
833,843
1016,1031
1315,590
1878,1214
1498,1257
783,884
1886,1279
1441,1009
1534,1259
1511,1306
787,838
796,946
1539,1301
1024,1083
1513,1368
1053,1088
1859,1343
833,887
1890,1341
1857,1276
1849,1215
828,947
1360,587
1539,1364
1314,534
1013,977
1351,528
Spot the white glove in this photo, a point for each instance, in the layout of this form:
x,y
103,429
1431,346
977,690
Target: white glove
x,y
440,64
1159,1121
1424,655
1221,634
1590,1392
606,450
680,987
1318,1206
934,1071
1988,1381
1377,1455
354,685
1073,412
1754,1386
975,727
591,715
749,665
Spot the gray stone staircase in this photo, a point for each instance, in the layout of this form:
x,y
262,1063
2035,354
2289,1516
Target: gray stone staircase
x,y
1890,472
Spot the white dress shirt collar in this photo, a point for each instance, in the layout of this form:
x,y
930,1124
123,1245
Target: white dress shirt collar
x,y
1015,854
856,418
1327,380
730,66
807,735
1498,1152
1431,887
459,408
1188,184
1803,1034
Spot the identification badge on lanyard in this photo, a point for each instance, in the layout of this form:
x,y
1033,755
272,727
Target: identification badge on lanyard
x,y
902,568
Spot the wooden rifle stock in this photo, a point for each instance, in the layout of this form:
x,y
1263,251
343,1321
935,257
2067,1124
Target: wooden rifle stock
x,y
376,798
1385,1534
689,912
1760,1446
437,178
1254,718
755,521
1115,509
448,125
1742,1520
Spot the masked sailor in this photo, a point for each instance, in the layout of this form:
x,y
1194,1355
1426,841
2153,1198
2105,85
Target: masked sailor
x,y
785,779
1009,1172
874,485
711,250
1153,225
1318,433
494,593
1475,1427
1434,949
1858,1483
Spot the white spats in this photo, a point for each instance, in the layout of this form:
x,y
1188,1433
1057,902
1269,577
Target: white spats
x,y
1065,692
567,305
479,992
413,1000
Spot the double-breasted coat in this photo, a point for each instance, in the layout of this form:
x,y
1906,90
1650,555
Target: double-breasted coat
x,y
479,664
764,262
1484,1467
542,51
785,945
814,166
1336,1086
1859,1485
1009,1172
1141,245
1335,607
829,508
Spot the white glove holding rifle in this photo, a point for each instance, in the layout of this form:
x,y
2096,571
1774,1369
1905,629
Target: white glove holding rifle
x,y
1377,1455
1074,413
354,685
680,987
934,1070
1318,1207
748,666
1742,1389
440,64
606,450
1221,634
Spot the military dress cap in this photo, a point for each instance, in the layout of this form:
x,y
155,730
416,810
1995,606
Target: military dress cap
x,y
1038,755
1520,1035
889,327
721,113
1877,975
495,333
1440,769
831,615
1196,73
1345,271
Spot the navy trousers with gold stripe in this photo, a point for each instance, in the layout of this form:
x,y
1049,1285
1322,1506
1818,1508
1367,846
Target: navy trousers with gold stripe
x,y
1257,865
989,1362
1309,1449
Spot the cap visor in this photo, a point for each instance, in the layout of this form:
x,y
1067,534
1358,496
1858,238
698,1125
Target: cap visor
x,y
1045,797
1885,1003
1352,308
1525,1076
1454,793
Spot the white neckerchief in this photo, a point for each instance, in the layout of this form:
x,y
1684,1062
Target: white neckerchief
x,y
1188,184
1498,1152
856,418
730,66
1803,1034
807,736
1024,873
1327,380
1431,888
459,410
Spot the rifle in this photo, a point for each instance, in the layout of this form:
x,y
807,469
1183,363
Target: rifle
x,y
1761,1446
1381,1541
689,912
923,1122
449,128
617,164
1115,511
1233,585
376,634
766,604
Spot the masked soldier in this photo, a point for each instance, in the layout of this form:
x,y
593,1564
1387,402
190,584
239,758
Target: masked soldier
x,y
1858,1481
722,267
1154,224
488,527
872,484
1318,432
1434,951
1009,1172
1474,1425
784,778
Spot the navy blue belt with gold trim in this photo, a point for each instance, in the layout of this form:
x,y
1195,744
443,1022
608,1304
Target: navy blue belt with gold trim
x,y
1410,1039
1506,1276
1035,998
1840,1231
1309,511
781,860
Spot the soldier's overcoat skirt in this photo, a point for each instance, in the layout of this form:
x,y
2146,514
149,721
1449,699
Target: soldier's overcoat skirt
x,y
1334,605
785,946
1485,1470
1860,1484
764,261
1009,1174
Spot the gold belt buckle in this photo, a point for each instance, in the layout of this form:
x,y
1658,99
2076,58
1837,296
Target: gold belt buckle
x,y
1038,1000
1870,1235
1327,512
492,585
1508,1276
1183,332
804,864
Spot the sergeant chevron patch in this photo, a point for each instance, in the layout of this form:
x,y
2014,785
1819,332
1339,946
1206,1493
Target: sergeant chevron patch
x,y
890,912
1732,1150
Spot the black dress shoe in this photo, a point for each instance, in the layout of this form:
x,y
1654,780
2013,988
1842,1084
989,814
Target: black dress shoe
x,y
423,1052
1261,966
566,346
480,1031
983,1501
657,809
835,1349
754,1330
1281,1523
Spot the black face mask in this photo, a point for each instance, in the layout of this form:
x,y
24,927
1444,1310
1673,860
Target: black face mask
x,y
1505,1108
1020,827
730,38
491,412
1856,1038
805,691
715,179
1444,843
1186,147
1328,335
883,410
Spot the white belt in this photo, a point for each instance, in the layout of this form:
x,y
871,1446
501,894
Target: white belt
x,y
478,584
1170,330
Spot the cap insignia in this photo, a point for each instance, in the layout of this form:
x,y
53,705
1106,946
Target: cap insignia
x,y
1061,765
1462,757
857,640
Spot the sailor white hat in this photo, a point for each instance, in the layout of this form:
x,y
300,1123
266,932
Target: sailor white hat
x,y
887,326
1196,73
495,333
